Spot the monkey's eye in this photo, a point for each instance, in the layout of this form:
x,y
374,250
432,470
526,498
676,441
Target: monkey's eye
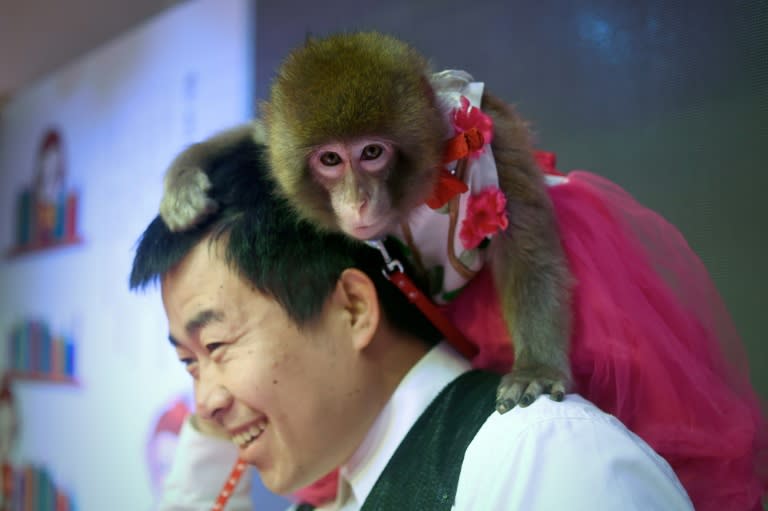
x,y
372,151
330,159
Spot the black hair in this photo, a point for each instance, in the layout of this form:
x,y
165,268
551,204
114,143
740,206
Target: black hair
x,y
283,257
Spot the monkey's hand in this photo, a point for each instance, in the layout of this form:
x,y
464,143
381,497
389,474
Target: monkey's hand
x,y
185,198
527,381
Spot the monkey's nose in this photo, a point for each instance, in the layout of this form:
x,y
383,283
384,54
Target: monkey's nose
x,y
363,207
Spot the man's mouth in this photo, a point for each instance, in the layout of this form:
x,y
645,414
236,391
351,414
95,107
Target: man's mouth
x,y
244,438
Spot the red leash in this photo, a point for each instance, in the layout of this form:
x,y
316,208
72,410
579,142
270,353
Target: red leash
x,y
394,272
428,308
229,485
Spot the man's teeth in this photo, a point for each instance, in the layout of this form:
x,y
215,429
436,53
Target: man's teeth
x,y
243,439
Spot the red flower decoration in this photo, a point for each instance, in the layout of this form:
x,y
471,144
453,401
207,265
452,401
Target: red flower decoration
x,y
467,117
486,214
448,186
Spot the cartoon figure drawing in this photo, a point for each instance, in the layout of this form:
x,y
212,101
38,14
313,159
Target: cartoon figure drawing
x,y
49,183
47,209
161,445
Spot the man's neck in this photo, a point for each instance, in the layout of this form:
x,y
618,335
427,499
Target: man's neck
x,y
414,391
395,355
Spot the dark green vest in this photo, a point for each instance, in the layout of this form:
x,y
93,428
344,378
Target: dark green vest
x,y
424,471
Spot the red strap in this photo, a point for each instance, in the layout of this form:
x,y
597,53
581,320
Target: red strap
x,y
229,485
416,297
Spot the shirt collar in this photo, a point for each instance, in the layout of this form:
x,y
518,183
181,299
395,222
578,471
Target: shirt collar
x,y
420,386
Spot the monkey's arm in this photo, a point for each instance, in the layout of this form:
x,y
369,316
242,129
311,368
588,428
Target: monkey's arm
x,y
530,269
185,199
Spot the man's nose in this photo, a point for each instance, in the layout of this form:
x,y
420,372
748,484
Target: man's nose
x,y
213,399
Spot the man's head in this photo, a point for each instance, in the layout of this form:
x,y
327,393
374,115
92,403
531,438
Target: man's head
x,y
294,338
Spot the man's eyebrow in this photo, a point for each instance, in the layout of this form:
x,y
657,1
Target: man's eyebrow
x,y
200,320
195,324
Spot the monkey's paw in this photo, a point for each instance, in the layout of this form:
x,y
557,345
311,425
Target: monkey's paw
x,y
185,202
523,385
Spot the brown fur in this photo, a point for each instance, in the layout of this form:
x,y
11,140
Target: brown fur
x,y
356,85
377,87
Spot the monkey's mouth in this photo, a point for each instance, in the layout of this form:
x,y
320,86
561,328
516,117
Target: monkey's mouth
x,y
368,231
372,227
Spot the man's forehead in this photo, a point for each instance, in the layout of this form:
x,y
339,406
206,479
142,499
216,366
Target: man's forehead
x,y
197,276
205,257
204,280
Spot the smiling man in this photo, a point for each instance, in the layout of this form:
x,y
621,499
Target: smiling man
x,y
283,391
307,358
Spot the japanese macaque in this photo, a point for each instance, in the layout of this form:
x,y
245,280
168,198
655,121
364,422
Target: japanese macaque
x,y
356,137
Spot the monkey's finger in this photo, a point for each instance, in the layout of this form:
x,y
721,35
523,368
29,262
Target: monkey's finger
x,y
508,396
510,388
504,406
558,391
533,391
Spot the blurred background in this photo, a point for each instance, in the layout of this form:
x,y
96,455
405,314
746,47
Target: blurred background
x,y
667,98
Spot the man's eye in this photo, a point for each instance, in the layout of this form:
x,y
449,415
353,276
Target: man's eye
x,y
187,361
213,346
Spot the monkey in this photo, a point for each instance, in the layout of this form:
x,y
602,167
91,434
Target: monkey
x,y
355,127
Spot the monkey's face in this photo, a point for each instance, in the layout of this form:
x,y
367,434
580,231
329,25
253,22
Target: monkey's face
x,y
355,175
365,99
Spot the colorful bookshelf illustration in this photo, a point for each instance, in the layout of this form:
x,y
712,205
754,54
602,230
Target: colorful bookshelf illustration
x,y
36,353
33,489
41,224
46,210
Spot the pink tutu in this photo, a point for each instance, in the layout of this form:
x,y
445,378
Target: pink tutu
x,y
653,344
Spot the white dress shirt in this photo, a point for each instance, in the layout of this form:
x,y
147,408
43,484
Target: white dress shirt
x,y
547,456
421,385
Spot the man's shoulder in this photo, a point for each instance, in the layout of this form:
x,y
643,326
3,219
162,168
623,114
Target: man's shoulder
x,y
550,431
569,417
593,461
544,410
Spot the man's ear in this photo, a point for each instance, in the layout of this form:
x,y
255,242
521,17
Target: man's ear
x,y
356,294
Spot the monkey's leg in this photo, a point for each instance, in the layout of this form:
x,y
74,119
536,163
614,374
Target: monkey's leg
x,y
533,284
530,269
185,199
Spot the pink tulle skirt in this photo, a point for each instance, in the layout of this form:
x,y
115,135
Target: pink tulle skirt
x,y
653,344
